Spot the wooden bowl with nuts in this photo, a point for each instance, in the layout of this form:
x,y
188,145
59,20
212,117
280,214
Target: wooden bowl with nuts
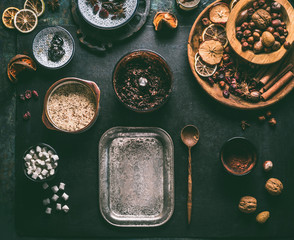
x,y
260,31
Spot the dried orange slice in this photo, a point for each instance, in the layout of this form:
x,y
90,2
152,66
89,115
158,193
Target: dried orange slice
x,y
8,17
215,32
25,20
219,13
202,68
38,6
211,52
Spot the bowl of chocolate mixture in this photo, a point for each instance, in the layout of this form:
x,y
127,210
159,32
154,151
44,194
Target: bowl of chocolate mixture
x,y
142,81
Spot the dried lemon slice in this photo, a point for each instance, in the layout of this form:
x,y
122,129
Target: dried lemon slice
x,y
25,20
38,6
211,52
202,68
8,16
215,32
219,13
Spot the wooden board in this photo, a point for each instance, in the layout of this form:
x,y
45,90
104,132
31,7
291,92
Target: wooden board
x,y
214,91
264,58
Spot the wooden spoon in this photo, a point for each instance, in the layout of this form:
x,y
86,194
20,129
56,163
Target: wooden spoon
x,y
190,136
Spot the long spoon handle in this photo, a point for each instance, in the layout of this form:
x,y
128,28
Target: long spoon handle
x,y
189,201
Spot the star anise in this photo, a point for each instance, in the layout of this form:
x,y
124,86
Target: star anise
x,y
53,5
92,2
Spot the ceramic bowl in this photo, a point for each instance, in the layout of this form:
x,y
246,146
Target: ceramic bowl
x,y
92,86
41,44
24,167
108,23
152,58
236,149
262,58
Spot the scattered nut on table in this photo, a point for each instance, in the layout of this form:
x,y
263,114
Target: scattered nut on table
x,y
274,186
263,217
247,204
268,165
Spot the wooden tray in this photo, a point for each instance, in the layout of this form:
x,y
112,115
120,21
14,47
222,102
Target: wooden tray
x,y
215,91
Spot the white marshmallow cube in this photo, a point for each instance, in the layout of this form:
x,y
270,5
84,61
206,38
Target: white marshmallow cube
x,y
32,151
40,154
65,196
55,189
28,157
45,186
40,177
29,172
52,172
62,186
50,152
58,206
46,201
65,208
55,197
44,172
35,175
48,210
38,149
49,166
55,157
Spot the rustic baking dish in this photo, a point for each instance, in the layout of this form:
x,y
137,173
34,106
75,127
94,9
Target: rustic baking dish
x,y
136,176
92,86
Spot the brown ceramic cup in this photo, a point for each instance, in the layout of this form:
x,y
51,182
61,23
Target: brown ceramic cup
x,y
238,156
49,123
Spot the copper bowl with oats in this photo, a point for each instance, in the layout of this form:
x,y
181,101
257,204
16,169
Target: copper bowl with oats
x,y
71,105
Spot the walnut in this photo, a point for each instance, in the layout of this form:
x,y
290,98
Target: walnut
x,y
274,186
263,217
261,18
247,204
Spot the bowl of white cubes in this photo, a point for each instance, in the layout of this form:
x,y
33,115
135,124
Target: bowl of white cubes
x,y
40,162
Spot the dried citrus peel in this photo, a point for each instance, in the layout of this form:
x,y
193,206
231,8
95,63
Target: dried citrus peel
x,y
166,18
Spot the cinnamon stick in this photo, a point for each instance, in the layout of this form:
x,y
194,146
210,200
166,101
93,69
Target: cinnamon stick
x,y
279,84
276,78
272,70
260,74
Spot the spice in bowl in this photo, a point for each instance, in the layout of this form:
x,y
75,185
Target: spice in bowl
x,y
142,81
71,107
238,156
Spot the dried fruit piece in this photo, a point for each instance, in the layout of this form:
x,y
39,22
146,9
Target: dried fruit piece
x,y
272,122
203,69
95,8
27,115
35,94
215,32
219,13
22,97
274,186
28,94
247,204
18,64
8,17
166,18
263,217
103,13
38,6
267,165
25,20
211,52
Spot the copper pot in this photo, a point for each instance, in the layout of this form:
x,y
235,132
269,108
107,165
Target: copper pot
x,y
49,123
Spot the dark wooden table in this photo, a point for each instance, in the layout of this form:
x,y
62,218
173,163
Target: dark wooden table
x,y
272,144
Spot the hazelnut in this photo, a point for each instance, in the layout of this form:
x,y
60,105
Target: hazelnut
x,y
258,31
285,32
274,15
245,46
250,11
282,39
251,25
243,40
244,25
226,57
256,36
276,7
227,49
263,217
268,9
247,33
239,35
261,2
261,118
206,22
267,166
274,186
280,15
250,40
276,46
276,36
270,29
247,204
283,24
280,30
267,39
242,17
276,23
287,45
238,29
258,47
264,6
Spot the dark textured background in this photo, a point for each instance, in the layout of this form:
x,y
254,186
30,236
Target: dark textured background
x,y
215,193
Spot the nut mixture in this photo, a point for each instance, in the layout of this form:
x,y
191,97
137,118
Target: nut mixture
x,y
72,107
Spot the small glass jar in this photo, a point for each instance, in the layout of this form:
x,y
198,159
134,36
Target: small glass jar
x,y
189,5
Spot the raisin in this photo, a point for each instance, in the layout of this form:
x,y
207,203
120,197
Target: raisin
x,y
28,94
